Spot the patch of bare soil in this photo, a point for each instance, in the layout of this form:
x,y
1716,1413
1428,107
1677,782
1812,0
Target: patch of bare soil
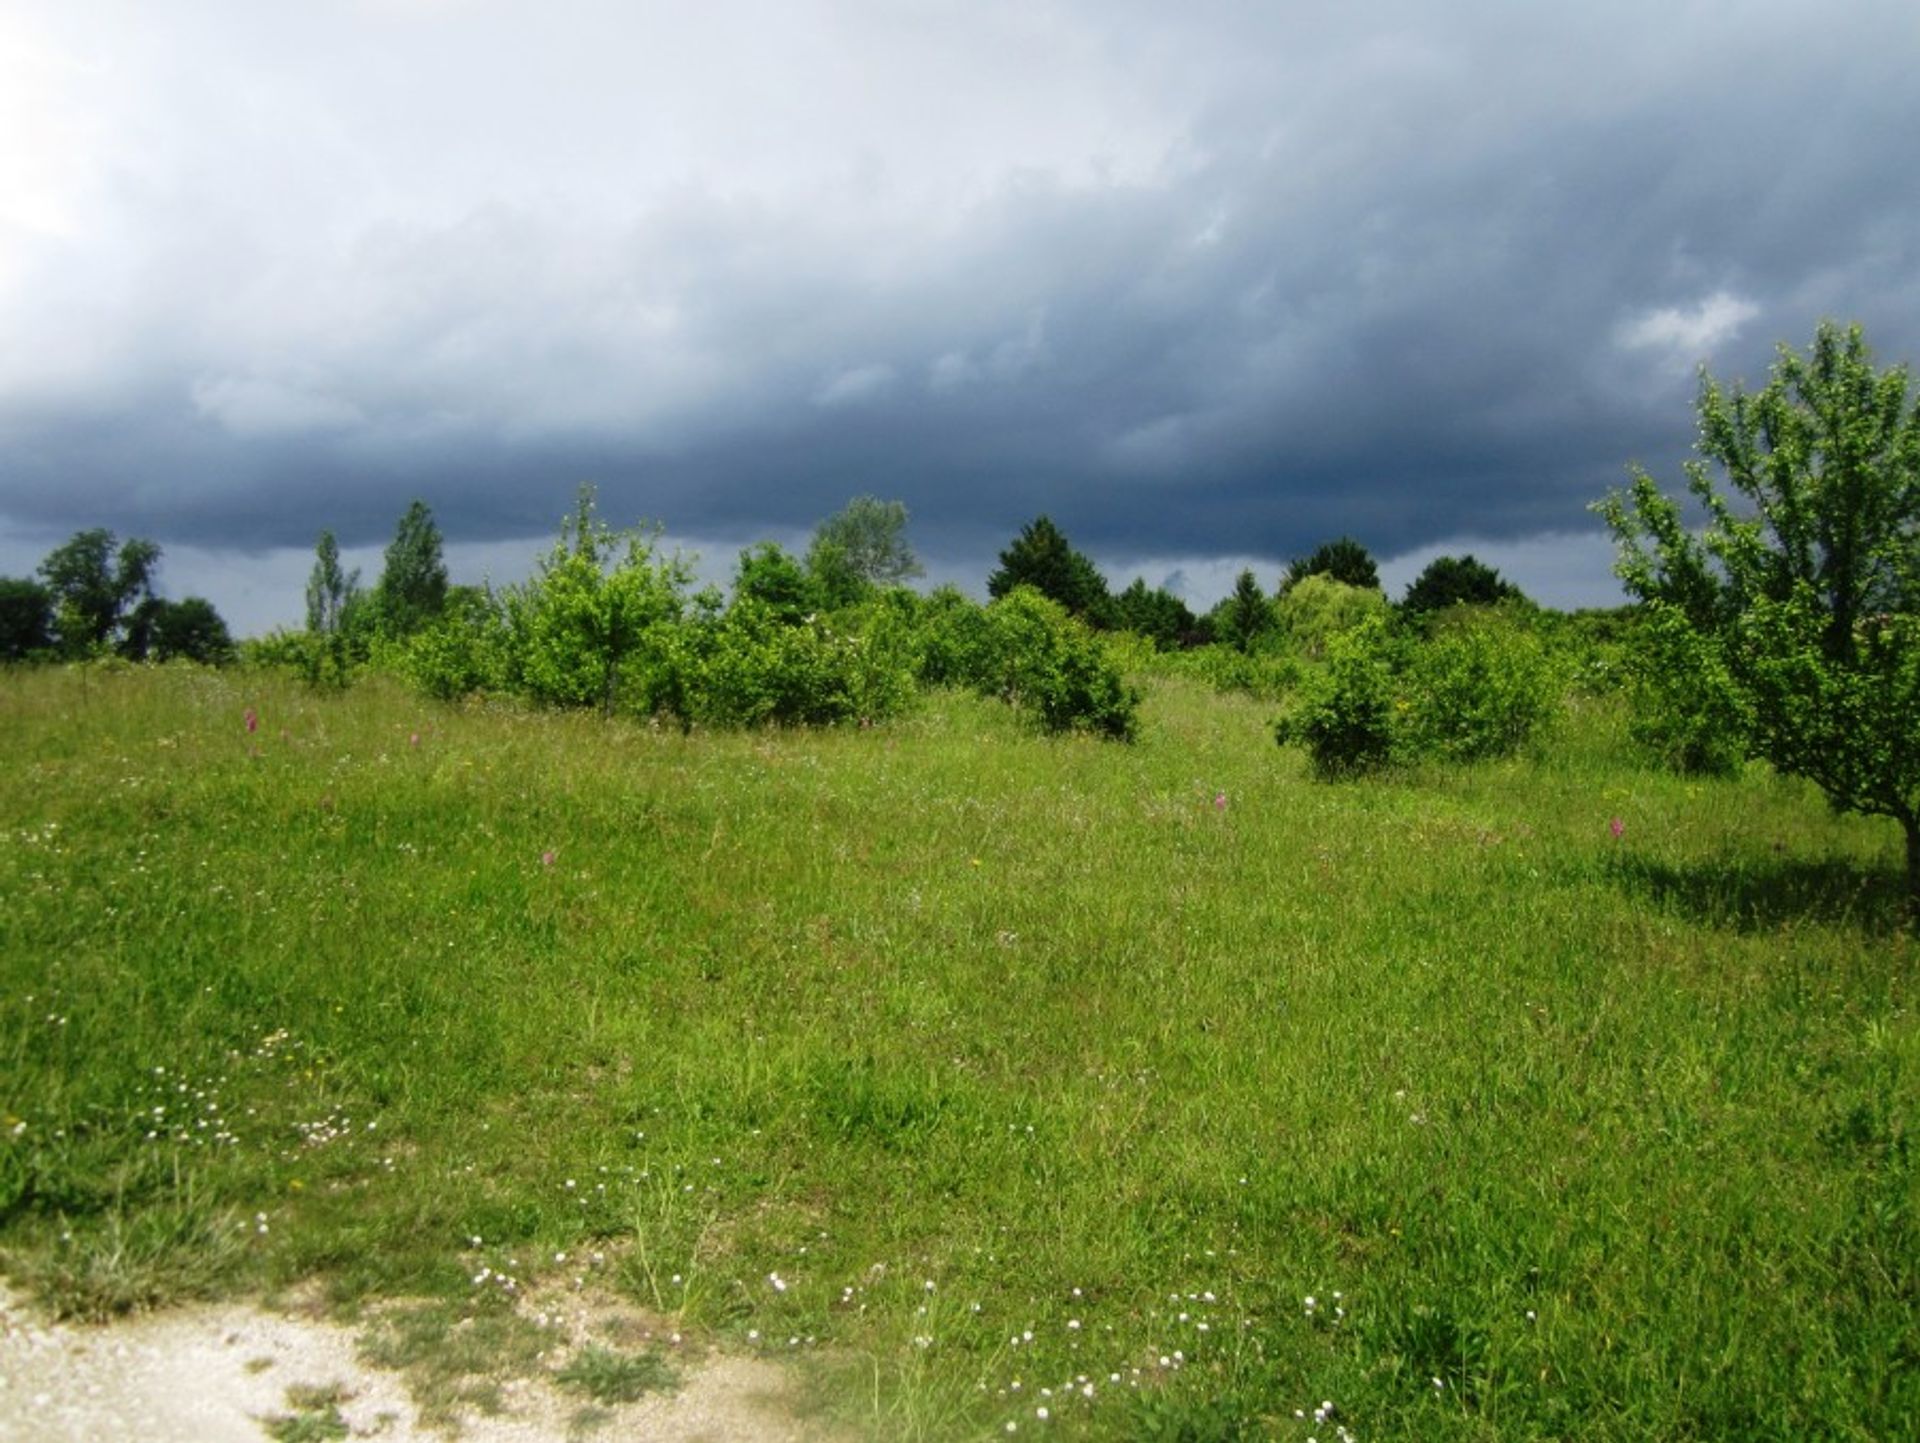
x,y
223,1374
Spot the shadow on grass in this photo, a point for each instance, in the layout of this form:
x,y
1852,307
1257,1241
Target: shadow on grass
x,y
1759,894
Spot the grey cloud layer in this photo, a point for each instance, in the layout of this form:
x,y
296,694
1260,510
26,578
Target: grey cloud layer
x,y
1221,285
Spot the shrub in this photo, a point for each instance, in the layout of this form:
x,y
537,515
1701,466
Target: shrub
x,y
1686,711
1348,715
1481,686
464,651
951,639
1043,660
749,668
1317,608
593,626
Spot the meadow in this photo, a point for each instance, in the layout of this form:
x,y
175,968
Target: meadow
x,y
1003,1083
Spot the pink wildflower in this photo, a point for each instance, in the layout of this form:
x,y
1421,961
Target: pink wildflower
x,y
414,740
253,721
1617,827
1219,801
546,858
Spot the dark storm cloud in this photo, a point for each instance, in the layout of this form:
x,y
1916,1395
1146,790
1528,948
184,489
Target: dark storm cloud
x,y
1393,273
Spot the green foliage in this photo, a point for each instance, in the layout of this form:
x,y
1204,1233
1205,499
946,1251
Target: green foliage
x,y
465,651
1809,593
863,545
1244,617
1687,713
94,588
752,667
1041,557
331,592
1318,607
1348,713
594,626
951,638
188,629
1268,674
1155,613
772,580
1045,661
1457,581
1480,686
412,589
26,618
1345,560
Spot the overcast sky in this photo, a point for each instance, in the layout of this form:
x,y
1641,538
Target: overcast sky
x,y
1209,283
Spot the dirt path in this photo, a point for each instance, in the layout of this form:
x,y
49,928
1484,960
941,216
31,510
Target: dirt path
x,y
215,1374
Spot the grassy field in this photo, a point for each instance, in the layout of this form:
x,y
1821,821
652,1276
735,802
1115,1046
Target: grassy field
x,y
1153,1091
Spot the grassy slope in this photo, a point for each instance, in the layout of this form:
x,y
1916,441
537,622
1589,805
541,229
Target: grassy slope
x,y
1608,1136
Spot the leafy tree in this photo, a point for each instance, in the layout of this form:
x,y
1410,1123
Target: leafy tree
x,y
1457,581
1318,608
94,588
330,591
26,618
768,577
1155,613
594,625
191,629
863,544
1345,560
412,589
1244,616
1044,660
1808,594
1041,557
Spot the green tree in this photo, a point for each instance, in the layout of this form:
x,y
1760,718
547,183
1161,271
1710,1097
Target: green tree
x,y
593,626
1805,583
26,618
1345,560
1155,613
1041,557
862,545
1244,616
189,628
331,592
412,589
94,587
1457,581
769,577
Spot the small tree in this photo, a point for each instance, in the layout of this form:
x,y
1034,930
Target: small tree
x,y
1155,613
1457,581
412,589
94,589
865,543
330,591
1041,557
26,618
1809,594
1345,560
1244,616
592,626
768,577
189,629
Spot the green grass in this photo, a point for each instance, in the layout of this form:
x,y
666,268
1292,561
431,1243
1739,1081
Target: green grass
x,y
1022,1066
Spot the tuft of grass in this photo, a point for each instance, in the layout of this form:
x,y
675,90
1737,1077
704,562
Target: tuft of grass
x,y
315,1418
607,1376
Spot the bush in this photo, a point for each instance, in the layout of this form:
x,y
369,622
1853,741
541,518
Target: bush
x,y
1263,675
594,626
1686,711
951,639
1348,715
1317,608
1041,659
1481,686
464,651
749,668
